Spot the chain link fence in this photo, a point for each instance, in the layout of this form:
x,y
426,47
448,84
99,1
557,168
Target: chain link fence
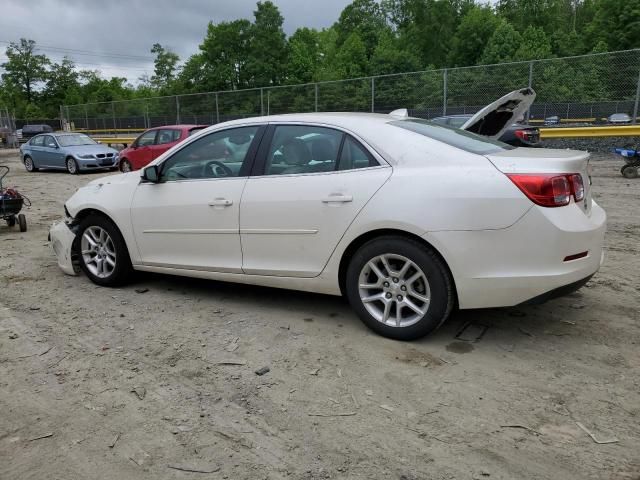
x,y
582,89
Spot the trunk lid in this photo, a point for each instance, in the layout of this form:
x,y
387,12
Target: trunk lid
x,y
494,119
546,160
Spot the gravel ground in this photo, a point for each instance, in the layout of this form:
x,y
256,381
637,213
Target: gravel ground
x,y
150,380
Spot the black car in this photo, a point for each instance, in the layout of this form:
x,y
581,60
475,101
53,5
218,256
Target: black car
x,y
29,131
518,134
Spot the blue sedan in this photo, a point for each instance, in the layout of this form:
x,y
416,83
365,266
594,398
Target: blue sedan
x,y
73,152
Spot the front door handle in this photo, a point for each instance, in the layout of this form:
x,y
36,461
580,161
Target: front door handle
x,y
337,197
220,202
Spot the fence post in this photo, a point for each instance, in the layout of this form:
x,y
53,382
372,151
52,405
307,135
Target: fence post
x,y
316,97
528,114
147,122
635,105
444,92
268,102
262,101
217,110
113,115
86,118
177,109
373,94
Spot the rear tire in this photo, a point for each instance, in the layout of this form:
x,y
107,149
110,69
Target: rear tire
x,y
399,287
72,166
11,221
630,171
22,222
28,164
102,252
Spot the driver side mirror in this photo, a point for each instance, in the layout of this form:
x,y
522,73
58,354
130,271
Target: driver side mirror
x,y
151,174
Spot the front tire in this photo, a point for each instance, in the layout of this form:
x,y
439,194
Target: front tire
x,y
125,166
399,287
72,166
28,164
103,254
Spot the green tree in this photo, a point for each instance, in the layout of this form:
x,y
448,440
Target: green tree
x,y
502,45
164,67
366,19
472,35
534,45
267,54
351,59
304,55
617,23
62,87
224,54
24,68
390,57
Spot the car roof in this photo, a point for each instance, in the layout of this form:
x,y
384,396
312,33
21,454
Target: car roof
x,y
184,126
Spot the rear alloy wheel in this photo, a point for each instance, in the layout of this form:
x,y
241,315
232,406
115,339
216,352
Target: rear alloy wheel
x,y
72,166
102,251
399,287
125,166
630,171
28,164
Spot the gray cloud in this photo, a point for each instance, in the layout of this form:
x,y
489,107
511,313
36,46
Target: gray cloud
x,y
131,26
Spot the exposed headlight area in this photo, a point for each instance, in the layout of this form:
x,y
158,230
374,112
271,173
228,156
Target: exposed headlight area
x,y
86,156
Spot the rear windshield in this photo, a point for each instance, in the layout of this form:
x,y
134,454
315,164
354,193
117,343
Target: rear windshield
x,y
75,140
467,141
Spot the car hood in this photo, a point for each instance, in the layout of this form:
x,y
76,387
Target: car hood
x,y
494,119
118,179
89,149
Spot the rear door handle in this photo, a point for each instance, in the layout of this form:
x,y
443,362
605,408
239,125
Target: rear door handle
x,y
336,197
220,202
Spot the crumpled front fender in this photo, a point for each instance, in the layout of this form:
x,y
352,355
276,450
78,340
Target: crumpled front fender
x,y
61,239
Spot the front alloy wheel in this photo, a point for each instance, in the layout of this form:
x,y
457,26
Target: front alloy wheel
x,y
102,251
28,164
72,166
125,166
98,252
399,287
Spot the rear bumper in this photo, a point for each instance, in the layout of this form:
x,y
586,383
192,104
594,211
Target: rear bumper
x,y
525,262
61,240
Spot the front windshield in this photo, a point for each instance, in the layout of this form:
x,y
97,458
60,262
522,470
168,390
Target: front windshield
x,y
75,140
462,139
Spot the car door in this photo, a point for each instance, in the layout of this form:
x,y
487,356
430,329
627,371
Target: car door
x,y
190,218
310,183
51,155
36,147
165,139
140,155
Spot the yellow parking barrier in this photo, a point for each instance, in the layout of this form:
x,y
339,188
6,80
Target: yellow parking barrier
x,y
582,132
115,140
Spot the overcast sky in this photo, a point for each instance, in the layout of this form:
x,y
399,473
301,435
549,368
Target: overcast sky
x,y
130,27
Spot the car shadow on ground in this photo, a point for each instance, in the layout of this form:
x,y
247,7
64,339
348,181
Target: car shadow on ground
x,y
464,331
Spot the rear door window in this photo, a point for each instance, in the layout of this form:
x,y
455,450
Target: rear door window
x,y
167,136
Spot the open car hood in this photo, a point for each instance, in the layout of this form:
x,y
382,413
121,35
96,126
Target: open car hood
x,y
495,118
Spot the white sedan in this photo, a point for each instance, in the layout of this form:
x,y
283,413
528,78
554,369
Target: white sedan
x,y
407,218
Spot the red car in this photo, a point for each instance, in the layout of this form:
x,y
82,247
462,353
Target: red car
x,y
152,143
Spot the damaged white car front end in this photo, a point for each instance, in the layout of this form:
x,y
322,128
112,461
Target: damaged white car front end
x,y
61,238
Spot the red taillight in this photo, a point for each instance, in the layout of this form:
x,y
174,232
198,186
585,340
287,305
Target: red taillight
x,y
577,186
522,134
550,190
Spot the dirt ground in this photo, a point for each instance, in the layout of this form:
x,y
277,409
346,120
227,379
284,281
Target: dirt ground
x,y
143,381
